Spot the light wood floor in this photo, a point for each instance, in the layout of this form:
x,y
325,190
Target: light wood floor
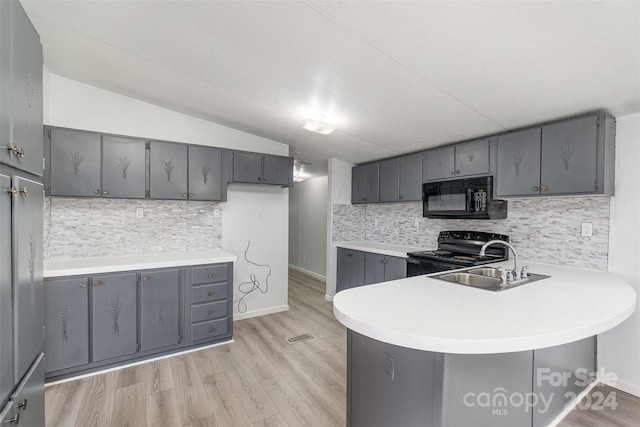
x,y
259,380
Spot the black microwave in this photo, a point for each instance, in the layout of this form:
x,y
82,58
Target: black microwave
x,y
470,198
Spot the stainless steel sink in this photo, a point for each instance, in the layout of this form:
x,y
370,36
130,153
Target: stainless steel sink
x,y
474,280
488,278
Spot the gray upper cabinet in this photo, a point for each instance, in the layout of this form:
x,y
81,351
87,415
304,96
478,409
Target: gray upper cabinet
x,y
113,305
123,167
75,163
205,173
247,167
464,159
168,170
159,306
569,157
27,265
518,168
21,144
401,179
6,340
255,168
365,183
66,314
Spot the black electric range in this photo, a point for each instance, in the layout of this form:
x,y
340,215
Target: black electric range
x,y
457,249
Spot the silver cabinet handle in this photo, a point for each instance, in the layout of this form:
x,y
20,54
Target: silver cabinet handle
x,y
544,188
259,179
12,149
210,275
210,293
209,312
97,191
145,278
452,172
266,180
14,420
211,330
184,195
106,193
457,172
97,283
14,191
21,152
22,405
534,188
83,284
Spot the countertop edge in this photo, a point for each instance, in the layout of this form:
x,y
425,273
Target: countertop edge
x,y
399,251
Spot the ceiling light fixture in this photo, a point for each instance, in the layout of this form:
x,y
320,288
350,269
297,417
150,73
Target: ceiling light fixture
x,y
319,126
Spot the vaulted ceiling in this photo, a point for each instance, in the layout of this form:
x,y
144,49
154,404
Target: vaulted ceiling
x,y
396,76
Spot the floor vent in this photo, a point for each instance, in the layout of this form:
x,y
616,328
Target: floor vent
x,y
303,337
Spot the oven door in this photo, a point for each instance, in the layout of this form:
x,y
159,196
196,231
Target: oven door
x,y
419,266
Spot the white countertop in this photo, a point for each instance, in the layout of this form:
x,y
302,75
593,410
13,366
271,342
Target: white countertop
x,y
82,266
379,248
429,314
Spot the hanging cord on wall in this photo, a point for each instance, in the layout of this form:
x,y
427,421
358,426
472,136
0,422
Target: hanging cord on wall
x,y
254,284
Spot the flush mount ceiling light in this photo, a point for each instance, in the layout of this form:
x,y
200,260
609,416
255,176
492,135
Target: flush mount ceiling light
x,y
319,126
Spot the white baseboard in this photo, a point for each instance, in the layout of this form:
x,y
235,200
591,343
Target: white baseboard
x,y
625,386
328,297
569,406
310,273
261,312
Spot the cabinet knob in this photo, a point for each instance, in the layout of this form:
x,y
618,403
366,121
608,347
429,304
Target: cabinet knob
x,y
12,149
14,420
210,275
349,255
210,293
209,312
534,188
544,188
14,191
266,180
97,191
452,172
189,195
145,278
457,172
83,284
23,405
21,152
211,330
400,197
97,283
184,195
106,193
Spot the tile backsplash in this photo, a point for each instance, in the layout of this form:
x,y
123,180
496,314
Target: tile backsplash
x,y
84,227
544,230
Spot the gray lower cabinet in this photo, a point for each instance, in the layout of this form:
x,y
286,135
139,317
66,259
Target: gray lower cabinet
x,y
20,90
383,268
28,287
460,160
123,167
66,314
113,308
159,309
365,184
28,398
6,317
205,173
210,302
168,170
74,165
349,269
569,157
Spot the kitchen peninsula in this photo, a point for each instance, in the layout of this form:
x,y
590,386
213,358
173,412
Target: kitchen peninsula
x,y
422,351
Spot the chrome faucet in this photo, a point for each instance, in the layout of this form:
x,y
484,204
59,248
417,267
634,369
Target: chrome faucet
x,y
509,276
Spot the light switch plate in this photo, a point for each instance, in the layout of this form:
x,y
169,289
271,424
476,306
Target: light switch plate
x,y
216,213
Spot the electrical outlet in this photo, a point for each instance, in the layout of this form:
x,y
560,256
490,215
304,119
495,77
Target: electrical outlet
x,y
416,222
216,213
139,213
587,229
389,366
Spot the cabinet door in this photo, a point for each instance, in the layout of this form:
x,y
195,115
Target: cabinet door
x,y
113,307
342,269
277,170
518,168
168,170
6,340
75,163
5,82
569,157
26,93
373,268
28,399
123,167
205,173
66,317
394,268
27,267
247,167
410,178
357,184
159,309
472,158
356,269
389,180
439,164
371,183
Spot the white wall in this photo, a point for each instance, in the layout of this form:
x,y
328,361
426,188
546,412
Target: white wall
x,y
308,211
72,104
619,348
339,181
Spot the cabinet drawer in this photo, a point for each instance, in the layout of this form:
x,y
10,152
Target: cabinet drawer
x,y
208,274
209,311
205,330
208,293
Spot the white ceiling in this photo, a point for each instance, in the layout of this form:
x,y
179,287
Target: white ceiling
x,y
401,76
